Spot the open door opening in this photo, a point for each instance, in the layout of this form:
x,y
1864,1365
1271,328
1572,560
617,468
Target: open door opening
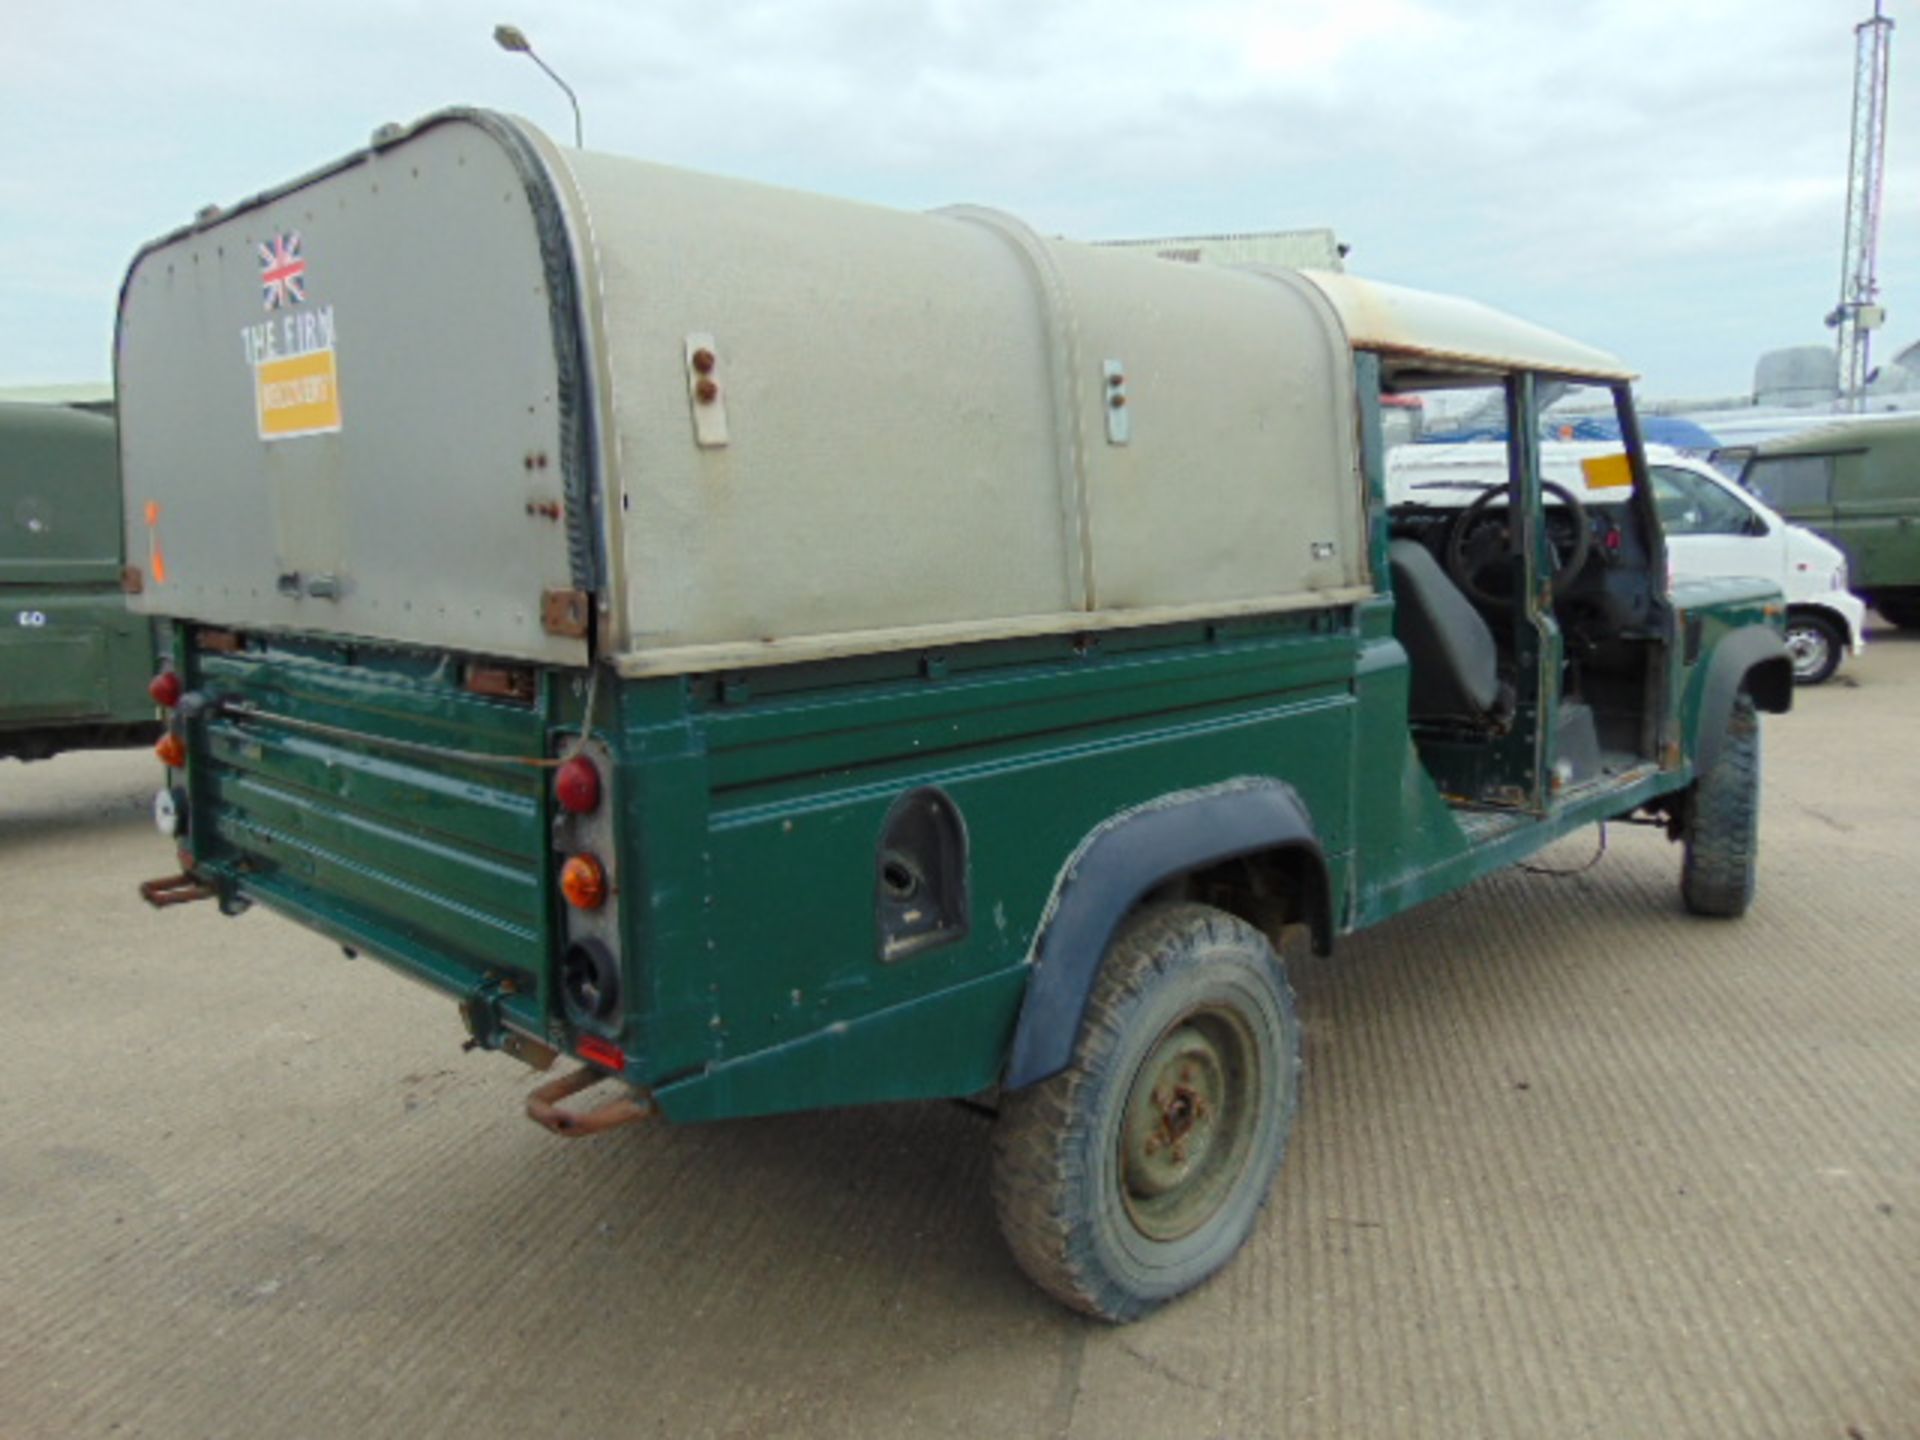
x,y
1529,585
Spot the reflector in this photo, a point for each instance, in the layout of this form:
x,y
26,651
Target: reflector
x,y
170,813
603,1053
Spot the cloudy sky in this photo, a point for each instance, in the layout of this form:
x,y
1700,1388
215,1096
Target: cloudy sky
x,y
1663,178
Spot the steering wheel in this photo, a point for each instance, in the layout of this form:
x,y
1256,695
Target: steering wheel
x,y
1478,539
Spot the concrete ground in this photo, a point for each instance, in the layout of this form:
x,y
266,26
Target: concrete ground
x,y
1571,1163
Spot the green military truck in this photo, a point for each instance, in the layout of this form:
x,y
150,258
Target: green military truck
x,y
1857,483
74,663
786,653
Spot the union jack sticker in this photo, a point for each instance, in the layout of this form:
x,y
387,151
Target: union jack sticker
x,y
282,272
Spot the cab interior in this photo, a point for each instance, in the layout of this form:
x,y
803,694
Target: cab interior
x,y
1534,618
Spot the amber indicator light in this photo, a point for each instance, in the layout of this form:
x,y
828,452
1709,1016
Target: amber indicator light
x,y
583,880
172,751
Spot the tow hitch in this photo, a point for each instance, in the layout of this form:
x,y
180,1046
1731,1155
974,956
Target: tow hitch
x,y
543,1106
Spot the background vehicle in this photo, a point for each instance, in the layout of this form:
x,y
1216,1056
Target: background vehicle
x,y
1713,528
74,663
788,653
1856,482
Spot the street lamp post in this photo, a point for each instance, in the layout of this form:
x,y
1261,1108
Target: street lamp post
x,y
514,40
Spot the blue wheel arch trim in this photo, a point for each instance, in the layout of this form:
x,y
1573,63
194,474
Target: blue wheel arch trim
x,y
1119,863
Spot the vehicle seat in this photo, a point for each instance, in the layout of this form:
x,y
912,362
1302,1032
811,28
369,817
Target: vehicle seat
x,y
1456,665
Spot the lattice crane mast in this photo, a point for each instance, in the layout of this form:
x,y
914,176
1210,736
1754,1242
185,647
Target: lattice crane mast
x,y
1859,312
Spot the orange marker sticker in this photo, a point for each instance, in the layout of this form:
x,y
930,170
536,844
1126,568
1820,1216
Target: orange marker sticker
x,y
156,557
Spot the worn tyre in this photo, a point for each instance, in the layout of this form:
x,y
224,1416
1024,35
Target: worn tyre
x,y
1903,611
1136,1172
1722,831
1814,645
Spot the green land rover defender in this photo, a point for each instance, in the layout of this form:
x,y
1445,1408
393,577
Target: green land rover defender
x,y
1855,482
74,664
786,653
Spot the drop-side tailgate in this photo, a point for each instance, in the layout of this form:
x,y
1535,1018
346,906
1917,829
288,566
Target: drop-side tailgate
x,y
343,784
354,406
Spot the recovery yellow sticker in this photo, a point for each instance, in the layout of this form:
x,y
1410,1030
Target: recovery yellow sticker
x,y
298,395
1607,472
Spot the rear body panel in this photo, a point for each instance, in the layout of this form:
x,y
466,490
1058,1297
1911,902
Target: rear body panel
x,y
748,822
749,819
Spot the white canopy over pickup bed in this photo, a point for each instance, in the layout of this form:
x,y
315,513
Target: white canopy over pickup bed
x,y
464,388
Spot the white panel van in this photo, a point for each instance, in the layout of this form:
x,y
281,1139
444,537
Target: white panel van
x,y
1712,526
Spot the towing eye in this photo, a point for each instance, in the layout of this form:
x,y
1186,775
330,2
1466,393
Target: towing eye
x,y
543,1106
181,889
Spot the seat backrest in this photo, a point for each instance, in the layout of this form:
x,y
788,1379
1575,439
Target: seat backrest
x,y
1455,663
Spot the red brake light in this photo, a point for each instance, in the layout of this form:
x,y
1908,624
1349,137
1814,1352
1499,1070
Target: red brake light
x,y
603,1053
577,786
165,689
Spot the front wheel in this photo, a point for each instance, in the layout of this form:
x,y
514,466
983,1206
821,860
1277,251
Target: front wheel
x,y
1136,1172
1722,828
1815,645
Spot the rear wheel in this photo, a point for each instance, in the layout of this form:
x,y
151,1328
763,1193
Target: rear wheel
x,y
1722,830
1136,1172
1815,645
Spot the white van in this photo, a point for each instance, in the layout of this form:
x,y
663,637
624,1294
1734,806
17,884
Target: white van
x,y
1713,527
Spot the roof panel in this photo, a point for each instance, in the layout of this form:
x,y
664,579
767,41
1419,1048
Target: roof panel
x,y
1396,320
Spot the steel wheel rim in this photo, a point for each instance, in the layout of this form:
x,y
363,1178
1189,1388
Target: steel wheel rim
x,y
1809,649
1187,1128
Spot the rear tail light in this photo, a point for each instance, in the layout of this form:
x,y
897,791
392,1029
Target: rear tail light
x,y
576,785
583,880
172,751
586,869
165,689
